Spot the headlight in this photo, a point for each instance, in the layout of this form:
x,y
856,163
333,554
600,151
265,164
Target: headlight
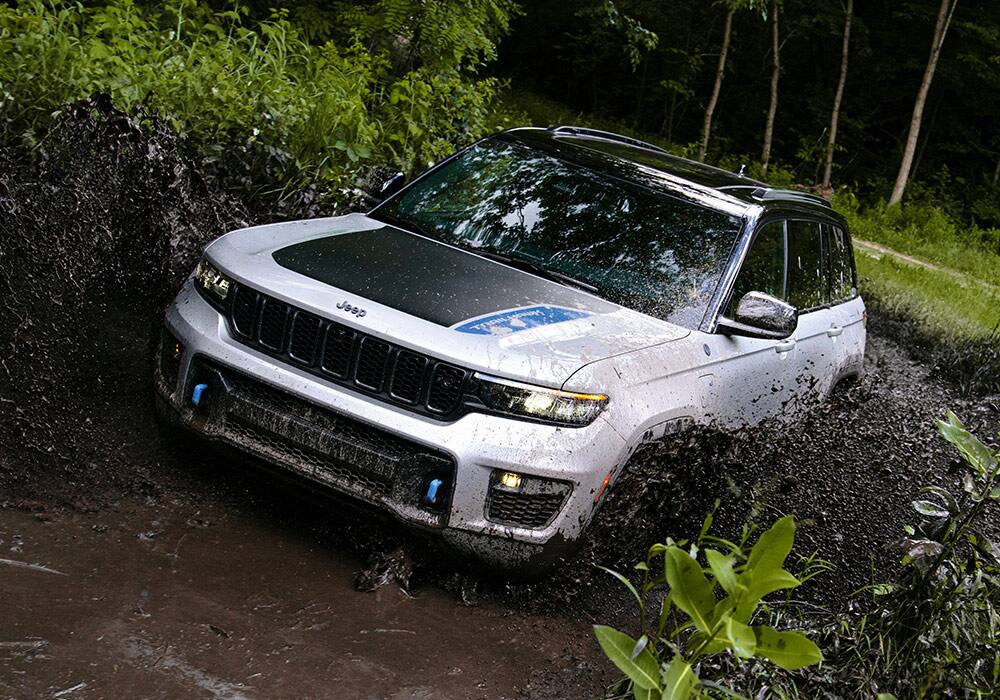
x,y
540,403
213,283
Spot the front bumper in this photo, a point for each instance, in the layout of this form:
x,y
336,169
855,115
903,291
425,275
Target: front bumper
x,y
470,449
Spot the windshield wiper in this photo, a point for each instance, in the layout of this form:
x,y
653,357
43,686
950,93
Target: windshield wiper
x,y
399,222
535,268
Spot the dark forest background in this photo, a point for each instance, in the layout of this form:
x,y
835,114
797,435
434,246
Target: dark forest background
x,y
573,53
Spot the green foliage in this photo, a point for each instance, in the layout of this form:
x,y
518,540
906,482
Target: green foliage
x,y
926,231
936,631
438,34
260,96
638,40
706,609
944,307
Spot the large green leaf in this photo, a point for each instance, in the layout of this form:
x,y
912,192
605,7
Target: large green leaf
x,y
679,680
689,589
722,569
643,670
768,582
742,639
790,650
975,452
773,546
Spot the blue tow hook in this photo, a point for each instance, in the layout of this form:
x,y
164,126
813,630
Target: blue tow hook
x,y
197,393
431,497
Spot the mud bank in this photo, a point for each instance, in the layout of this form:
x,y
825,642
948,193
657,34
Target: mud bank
x,y
98,225
183,569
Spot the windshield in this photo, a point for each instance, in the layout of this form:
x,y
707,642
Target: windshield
x,y
637,246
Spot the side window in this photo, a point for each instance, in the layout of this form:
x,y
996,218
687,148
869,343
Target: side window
x,y
764,267
806,278
837,254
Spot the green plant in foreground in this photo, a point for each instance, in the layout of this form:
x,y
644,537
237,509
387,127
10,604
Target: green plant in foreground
x,y
706,610
936,631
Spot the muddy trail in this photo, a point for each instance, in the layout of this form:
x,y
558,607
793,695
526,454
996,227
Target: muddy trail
x,y
134,564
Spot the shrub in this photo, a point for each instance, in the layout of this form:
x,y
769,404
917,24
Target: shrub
x,y
271,110
707,609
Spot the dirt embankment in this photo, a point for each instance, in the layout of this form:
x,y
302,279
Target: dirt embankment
x,y
98,229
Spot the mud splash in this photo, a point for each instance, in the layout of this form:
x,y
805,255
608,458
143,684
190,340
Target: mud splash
x,y
98,225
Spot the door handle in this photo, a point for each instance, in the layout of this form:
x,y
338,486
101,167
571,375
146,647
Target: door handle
x,y
834,331
784,346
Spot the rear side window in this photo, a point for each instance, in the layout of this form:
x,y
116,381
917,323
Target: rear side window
x,y
840,274
763,269
806,277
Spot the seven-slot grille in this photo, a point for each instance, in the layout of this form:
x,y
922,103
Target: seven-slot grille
x,y
345,356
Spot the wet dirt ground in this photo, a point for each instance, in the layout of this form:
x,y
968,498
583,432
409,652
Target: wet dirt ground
x,y
201,596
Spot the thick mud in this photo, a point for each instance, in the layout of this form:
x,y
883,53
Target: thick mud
x,y
134,566
216,593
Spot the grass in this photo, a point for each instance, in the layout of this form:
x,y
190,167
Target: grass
x,y
926,232
945,306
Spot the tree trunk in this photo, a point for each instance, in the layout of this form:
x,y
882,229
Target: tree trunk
x,y
773,109
706,131
926,134
837,98
943,20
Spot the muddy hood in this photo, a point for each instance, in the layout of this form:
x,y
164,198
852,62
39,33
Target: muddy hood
x,y
435,298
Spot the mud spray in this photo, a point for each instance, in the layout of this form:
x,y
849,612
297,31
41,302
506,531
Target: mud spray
x,y
100,224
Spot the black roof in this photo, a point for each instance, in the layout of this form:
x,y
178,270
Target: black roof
x,y
634,150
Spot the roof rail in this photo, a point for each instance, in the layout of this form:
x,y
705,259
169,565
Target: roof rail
x,y
776,193
771,194
607,136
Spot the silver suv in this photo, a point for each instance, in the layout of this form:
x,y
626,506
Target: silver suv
x,y
483,352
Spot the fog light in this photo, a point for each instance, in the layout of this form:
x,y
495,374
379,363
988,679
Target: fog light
x,y
511,480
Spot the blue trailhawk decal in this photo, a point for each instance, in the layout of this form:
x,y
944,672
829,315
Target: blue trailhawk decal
x,y
514,320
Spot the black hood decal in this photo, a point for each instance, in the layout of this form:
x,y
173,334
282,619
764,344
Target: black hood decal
x,y
424,278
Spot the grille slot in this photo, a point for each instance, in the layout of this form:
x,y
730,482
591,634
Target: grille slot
x,y
344,356
244,312
408,376
447,387
272,324
373,359
337,350
305,337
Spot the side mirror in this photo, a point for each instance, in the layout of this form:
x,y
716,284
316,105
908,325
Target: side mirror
x,y
760,315
381,183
